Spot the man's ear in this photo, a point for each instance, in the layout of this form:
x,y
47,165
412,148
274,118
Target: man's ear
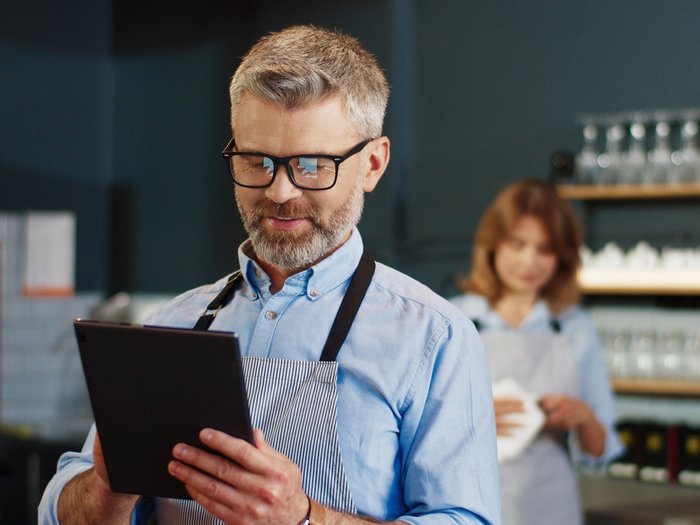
x,y
379,153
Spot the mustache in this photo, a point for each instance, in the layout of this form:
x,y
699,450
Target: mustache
x,y
285,210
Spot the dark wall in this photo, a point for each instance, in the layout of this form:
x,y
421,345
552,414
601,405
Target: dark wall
x,y
55,136
119,111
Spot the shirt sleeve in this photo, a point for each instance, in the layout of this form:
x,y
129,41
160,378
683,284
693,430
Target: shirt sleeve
x,y
70,464
448,435
595,382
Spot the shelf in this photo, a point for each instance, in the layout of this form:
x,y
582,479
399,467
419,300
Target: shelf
x,y
656,387
627,281
651,191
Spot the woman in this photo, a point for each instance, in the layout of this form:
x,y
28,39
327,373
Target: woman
x,y
522,295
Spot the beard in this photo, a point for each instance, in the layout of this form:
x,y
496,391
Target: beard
x,y
296,250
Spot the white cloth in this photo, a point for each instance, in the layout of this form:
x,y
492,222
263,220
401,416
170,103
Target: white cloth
x,y
529,421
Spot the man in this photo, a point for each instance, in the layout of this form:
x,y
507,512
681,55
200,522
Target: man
x,y
387,418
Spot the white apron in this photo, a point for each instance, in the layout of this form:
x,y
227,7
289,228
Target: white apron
x,y
539,486
294,403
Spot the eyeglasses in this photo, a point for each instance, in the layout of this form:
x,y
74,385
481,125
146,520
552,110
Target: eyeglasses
x,y
309,171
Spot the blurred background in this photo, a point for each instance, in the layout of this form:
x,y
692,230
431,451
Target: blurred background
x,y
113,114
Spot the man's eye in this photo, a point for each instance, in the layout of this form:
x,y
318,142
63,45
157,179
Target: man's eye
x,y
307,167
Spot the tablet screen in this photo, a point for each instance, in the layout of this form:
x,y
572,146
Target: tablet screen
x,y
152,387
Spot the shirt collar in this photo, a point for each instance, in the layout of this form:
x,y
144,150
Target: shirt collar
x,y
314,282
538,316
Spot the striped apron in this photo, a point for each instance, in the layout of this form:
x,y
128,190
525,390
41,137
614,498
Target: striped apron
x,y
294,403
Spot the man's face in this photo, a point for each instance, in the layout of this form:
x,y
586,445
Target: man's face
x,y
289,227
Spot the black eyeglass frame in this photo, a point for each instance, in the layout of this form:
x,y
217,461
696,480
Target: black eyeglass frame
x,y
228,154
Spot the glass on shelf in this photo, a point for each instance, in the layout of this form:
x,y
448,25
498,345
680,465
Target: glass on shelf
x,y
686,159
635,158
619,363
611,160
670,355
586,165
643,348
660,162
691,356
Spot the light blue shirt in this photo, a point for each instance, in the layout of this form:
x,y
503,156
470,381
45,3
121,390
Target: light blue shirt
x,y
415,412
582,338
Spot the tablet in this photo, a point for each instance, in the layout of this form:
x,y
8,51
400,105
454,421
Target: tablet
x,y
152,387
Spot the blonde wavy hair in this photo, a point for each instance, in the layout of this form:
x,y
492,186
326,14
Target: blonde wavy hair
x,y
301,65
539,199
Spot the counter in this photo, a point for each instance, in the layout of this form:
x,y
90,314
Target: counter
x,y
609,501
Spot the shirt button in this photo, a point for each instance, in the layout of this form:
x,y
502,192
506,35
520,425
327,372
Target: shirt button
x,y
257,271
271,315
313,293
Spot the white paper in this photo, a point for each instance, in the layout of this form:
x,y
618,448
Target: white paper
x,y
530,421
49,254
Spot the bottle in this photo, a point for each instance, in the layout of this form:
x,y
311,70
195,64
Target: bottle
x,y
635,158
586,165
659,157
611,161
686,160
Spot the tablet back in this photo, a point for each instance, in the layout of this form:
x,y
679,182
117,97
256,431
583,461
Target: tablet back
x,y
152,387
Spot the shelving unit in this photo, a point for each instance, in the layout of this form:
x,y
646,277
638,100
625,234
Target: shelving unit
x,y
641,282
652,191
656,387
657,281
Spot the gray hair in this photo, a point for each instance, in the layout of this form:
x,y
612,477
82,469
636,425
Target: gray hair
x,y
301,65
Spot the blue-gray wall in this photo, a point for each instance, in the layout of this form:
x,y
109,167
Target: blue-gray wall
x,y
118,110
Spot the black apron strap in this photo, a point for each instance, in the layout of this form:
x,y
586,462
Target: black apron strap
x,y
343,320
554,324
222,299
348,308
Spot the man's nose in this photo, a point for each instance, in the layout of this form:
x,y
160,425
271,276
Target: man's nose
x,y
281,190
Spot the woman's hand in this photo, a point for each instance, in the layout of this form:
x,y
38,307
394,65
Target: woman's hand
x,y
503,406
245,484
568,413
565,413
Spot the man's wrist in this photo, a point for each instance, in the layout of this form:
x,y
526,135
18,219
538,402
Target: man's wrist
x,y
316,515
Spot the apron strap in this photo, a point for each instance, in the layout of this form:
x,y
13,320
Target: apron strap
x,y
222,299
348,308
343,320
554,324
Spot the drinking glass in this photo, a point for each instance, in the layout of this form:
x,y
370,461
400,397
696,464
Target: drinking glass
x,y
691,356
660,163
635,158
686,159
610,161
643,350
670,355
586,165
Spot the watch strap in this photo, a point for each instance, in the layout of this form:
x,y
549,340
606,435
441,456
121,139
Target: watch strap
x,y
316,514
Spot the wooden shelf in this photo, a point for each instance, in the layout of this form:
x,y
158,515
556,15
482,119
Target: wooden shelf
x,y
651,191
629,281
656,387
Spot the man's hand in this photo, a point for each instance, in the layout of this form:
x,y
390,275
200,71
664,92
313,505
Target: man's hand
x,y
249,484
87,498
503,406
